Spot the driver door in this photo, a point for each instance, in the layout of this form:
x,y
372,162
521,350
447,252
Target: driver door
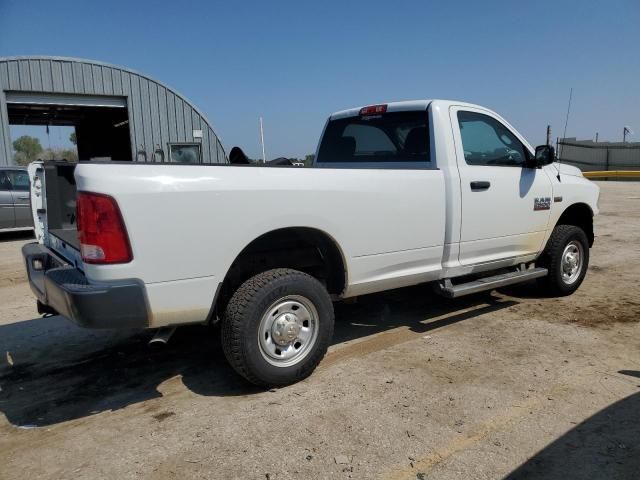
x,y
501,218
7,217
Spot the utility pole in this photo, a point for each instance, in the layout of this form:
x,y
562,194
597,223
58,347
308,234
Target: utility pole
x,y
625,131
596,137
548,134
264,158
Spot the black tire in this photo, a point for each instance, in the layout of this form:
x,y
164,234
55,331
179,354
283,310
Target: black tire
x,y
242,319
551,258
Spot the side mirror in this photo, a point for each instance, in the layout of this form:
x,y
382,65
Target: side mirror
x,y
545,154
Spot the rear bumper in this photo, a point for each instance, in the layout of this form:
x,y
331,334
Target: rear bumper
x,y
65,289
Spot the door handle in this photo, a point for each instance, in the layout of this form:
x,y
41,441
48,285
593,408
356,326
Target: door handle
x,y
480,185
23,198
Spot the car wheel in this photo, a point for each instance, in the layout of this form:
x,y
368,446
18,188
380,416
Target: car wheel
x,y
567,259
277,327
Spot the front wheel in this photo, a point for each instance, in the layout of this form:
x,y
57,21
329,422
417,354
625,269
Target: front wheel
x,y
567,258
277,327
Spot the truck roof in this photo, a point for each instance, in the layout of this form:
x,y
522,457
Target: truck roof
x,y
400,106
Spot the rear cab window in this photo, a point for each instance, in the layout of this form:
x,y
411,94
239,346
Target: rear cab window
x,y
392,140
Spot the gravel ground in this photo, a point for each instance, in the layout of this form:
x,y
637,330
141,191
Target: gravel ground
x,y
503,384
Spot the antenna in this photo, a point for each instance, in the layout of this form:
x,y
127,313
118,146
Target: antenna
x,y
564,135
264,159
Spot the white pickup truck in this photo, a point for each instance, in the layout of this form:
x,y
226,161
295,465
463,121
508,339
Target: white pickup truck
x,y
399,194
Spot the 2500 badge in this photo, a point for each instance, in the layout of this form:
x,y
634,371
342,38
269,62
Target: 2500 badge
x,y
542,203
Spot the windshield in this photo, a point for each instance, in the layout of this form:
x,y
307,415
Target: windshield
x,y
388,137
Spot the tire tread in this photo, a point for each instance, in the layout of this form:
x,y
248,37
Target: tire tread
x,y
240,307
551,259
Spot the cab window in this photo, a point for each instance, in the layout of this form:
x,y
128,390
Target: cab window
x,y
388,140
487,142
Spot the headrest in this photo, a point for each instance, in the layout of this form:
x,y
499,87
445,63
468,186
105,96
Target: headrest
x,y
416,141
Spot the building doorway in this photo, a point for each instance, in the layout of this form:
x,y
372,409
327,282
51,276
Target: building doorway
x,y
100,124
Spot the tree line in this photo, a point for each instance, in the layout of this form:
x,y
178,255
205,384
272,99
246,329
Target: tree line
x,y
28,148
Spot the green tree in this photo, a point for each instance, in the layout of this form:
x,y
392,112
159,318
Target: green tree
x,y
27,149
68,154
308,159
73,139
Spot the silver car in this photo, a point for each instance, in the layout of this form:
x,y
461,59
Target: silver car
x,y
15,209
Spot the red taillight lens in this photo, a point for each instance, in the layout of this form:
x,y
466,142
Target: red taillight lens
x,y
103,238
373,110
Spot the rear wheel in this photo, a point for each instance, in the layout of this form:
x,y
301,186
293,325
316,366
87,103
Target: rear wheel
x,y
567,258
277,327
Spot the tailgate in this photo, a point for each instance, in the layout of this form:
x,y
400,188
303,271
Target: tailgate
x,y
53,205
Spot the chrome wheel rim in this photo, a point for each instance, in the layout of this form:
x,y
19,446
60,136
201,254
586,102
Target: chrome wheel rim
x,y
288,330
572,259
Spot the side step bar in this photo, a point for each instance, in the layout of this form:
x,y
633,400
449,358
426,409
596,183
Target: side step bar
x,y
449,290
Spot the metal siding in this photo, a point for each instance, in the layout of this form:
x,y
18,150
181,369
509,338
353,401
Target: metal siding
x,y
602,156
107,81
47,80
180,137
14,76
87,78
36,75
157,115
67,77
195,125
196,121
116,78
96,73
156,137
220,153
78,78
624,158
56,73
146,117
164,121
171,118
214,150
188,127
206,146
136,112
25,74
4,76
125,85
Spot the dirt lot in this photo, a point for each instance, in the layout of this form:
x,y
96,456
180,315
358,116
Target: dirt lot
x,y
507,384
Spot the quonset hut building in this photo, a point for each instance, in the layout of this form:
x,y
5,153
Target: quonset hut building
x,y
118,114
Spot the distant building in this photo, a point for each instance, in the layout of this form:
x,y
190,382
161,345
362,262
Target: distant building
x,y
118,114
589,155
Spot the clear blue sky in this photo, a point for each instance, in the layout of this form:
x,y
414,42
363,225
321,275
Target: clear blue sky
x,y
294,62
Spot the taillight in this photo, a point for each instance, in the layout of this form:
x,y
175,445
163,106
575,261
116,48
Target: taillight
x,y
103,237
373,110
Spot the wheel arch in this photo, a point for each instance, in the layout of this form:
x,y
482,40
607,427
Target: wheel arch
x,y
307,249
580,215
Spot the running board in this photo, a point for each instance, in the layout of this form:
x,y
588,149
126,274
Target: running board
x,y
449,290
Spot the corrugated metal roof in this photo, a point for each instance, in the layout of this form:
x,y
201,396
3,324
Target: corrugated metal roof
x,y
158,115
